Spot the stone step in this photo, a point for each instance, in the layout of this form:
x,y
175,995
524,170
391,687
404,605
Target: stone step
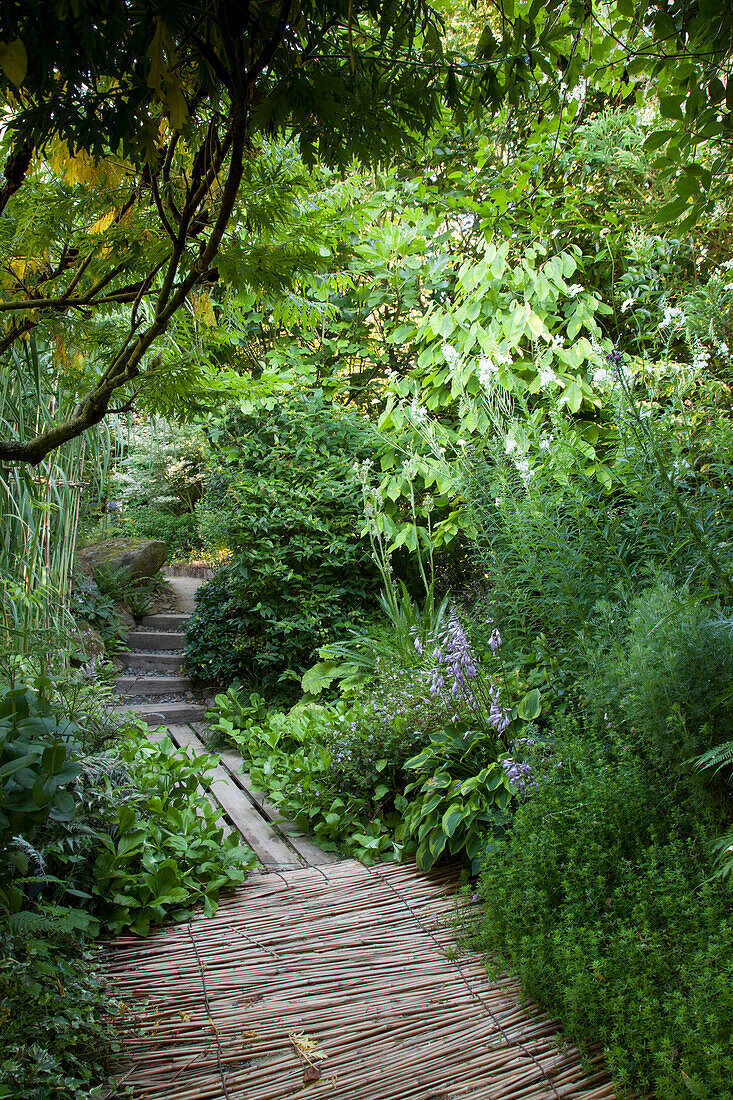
x,y
167,713
156,662
152,685
155,639
165,620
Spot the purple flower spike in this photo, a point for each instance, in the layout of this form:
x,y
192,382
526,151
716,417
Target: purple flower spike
x,y
495,641
519,775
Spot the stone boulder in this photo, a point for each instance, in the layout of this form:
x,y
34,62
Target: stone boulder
x,y
89,639
136,557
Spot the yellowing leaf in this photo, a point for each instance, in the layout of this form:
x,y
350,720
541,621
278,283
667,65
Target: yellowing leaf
x,y
202,309
104,222
158,67
14,61
175,101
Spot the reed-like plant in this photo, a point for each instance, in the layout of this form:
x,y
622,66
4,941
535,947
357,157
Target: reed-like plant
x,y
39,506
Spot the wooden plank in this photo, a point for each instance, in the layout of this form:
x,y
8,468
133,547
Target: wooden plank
x,y
267,844
307,847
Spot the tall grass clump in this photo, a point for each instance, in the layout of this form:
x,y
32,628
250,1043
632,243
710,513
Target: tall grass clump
x,y
39,506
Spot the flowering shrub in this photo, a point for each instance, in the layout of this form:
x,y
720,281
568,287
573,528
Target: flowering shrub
x,y
346,771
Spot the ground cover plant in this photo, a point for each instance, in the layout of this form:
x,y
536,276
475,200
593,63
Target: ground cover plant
x,y
97,835
603,899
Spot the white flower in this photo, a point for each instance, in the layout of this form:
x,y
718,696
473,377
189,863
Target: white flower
x,y
544,444
547,376
673,317
450,354
417,412
700,358
574,290
602,377
487,369
723,347
523,469
510,445
626,304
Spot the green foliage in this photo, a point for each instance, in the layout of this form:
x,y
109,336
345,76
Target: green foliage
x,y
282,500
514,331
88,602
162,471
37,765
58,1019
166,851
666,682
462,794
125,163
290,758
598,899
178,532
40,510
548,553
346,771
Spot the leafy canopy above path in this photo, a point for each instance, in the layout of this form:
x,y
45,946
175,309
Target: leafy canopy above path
x,y
134,134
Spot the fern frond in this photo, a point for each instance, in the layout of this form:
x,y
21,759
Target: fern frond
x,y
719,757
30,924
723,856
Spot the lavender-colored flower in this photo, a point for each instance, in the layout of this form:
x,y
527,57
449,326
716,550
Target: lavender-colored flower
x,y
499,717
519,774
495,641
453,658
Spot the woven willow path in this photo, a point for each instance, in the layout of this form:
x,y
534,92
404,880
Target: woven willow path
x,y
333,982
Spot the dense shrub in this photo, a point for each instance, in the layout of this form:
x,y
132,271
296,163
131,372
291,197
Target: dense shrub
x,y
57,1018
284,502
599,899
666,680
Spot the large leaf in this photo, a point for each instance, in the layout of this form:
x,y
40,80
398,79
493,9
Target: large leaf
x,y
453,816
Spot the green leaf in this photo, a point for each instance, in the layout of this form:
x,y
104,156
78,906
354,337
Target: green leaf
x,y
14,61
687,184
671,210
131,842
531,706
671,107
572,396
320,676
17,765
452,817
437,841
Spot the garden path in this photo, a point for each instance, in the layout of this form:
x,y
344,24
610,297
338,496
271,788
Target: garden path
x,y
322,977
153,687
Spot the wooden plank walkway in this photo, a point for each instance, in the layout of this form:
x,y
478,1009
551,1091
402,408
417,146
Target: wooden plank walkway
x,y
277,843
333,982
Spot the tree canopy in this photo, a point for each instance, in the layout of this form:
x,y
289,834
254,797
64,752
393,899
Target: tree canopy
x,y
143,174
130,129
